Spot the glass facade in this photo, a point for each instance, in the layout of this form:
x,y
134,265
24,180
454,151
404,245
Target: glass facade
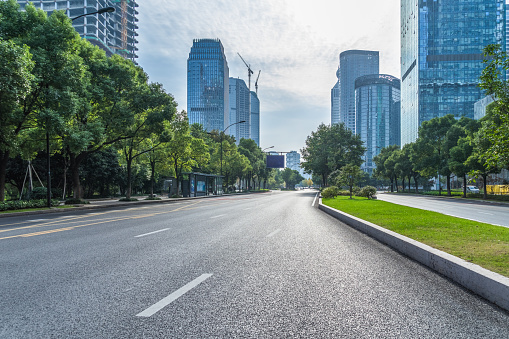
x,y
114,32
334,104
441,57
255,118
208,85
239,110
353,64
377,106
293,161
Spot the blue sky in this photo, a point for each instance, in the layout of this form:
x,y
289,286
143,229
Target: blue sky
x,y
295,44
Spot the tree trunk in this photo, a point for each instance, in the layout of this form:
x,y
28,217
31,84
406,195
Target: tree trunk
x,y
75,173
464,185
392,184
416,185
129,174
152,177
4,156
396,182
484,179
448,185
403,183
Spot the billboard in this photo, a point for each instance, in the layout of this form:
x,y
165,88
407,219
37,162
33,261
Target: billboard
x,y
275,161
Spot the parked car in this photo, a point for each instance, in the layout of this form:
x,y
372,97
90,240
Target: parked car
x,y
472,189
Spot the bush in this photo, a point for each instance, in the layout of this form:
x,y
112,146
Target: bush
x,y
330,192
128,199
367,192
23,204
152,198
74,201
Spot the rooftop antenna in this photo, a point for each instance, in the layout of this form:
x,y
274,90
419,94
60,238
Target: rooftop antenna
x,y
256,82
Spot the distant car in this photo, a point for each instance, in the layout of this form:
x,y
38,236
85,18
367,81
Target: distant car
x,y
472,189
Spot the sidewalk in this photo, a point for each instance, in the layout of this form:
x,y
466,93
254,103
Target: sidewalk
x,y
113,202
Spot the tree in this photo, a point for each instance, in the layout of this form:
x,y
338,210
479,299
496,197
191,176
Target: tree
x,y
330,148
348,175
291,177
496,129
381,170
43,77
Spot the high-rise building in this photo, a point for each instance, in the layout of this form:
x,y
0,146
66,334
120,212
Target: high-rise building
x,y
353,64
208,85
378,116
114,32
255,118
442,46
334,104
239,110
293,160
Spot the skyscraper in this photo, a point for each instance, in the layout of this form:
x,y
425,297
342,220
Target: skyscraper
x,y
353,64
208,85
255,118
334,104
293,160
378,116
442,46
239,110
115,32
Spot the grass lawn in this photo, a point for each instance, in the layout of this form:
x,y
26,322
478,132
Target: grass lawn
x,y
482,244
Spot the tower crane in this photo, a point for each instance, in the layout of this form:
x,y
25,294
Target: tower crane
x,y
256,82
249,70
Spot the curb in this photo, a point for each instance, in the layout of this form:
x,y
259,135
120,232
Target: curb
x,y
487,284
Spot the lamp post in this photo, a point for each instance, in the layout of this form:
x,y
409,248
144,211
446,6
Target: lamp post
x,y
235,123
267,148
101,11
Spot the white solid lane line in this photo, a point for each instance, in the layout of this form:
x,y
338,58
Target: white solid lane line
x,y
218,216
142,235
274,233
314,200
172,297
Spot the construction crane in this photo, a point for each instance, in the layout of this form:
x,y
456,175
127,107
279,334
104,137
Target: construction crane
x,y
249,71
256,82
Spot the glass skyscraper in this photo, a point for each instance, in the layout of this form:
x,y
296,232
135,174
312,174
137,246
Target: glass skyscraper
x,y
239,110
255,118
115,32
208,85
442,46
377,106
334,101
353,64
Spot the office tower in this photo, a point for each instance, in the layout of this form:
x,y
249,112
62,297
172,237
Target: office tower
x,y
353,64
293,160
377,106
334,98
442,46
255,118
208,85
114,32
239,110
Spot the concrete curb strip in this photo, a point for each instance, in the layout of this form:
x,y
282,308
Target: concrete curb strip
x,y
489,285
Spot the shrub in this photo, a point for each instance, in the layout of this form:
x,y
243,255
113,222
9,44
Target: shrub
x,y
330,192
367,192
74,201
23,204
128,199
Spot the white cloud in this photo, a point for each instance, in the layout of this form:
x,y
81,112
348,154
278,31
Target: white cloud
x,y
295,43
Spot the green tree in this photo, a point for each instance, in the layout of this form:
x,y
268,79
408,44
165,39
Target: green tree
x,y
381,170
291,177
348,175
496,129
330,148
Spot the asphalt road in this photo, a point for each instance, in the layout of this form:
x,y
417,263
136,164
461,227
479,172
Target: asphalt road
x,y
257,266
467,209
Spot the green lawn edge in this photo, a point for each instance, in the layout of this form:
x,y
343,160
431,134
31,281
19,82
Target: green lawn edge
x,y
479,243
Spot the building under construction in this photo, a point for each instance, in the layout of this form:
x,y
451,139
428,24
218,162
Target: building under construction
x,y
113,32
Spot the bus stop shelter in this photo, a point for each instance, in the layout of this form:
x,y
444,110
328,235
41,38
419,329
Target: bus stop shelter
x,y
200,184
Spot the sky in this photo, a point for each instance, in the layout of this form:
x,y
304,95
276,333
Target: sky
x,y
295,43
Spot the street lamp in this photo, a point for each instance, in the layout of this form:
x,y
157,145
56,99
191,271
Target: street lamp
x,y
267,148
101,11
235,123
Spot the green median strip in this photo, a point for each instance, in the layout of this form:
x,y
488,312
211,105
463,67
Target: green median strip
x,y
479,243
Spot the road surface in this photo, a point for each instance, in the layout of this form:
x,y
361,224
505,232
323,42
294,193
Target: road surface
x,y
256,266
